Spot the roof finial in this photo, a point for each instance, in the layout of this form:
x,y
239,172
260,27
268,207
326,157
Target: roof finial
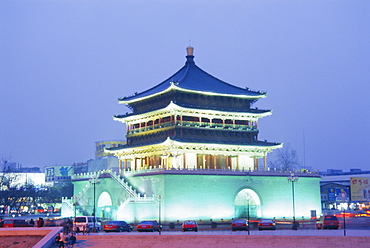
x,y
190,50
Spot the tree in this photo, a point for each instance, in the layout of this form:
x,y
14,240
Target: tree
x,y
286,159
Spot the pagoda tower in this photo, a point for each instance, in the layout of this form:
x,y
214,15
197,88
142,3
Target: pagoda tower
x,y
193,152
193,120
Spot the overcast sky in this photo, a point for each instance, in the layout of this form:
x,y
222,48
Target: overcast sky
x,y
64,64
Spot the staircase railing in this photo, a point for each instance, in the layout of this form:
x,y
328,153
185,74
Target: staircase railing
x,y
132,192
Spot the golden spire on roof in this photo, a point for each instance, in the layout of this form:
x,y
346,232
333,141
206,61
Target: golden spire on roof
x,y
190,50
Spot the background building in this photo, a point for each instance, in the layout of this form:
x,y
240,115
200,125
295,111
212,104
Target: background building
x,y
345,190
101,145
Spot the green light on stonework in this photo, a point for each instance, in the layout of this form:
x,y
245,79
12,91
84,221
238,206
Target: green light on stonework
x,y
192,213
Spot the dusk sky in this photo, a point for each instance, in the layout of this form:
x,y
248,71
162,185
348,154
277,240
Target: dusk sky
x,y
64,64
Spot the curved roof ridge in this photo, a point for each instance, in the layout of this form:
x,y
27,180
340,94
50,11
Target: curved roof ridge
x,y
192,78
162,85
228,84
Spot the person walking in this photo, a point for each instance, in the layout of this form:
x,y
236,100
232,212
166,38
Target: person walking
x,y
38,222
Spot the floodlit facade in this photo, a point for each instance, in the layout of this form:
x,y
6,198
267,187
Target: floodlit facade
x,y
193,152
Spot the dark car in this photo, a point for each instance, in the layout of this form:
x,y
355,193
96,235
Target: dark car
x,y
148,226
327,222
189,225
117,226
266,224
16,223
239,225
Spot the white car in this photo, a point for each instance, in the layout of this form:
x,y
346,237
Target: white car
x,y
86,223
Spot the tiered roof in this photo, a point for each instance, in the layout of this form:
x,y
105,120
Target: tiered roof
x,y
190,78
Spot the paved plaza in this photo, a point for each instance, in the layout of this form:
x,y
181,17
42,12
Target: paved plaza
x,y
335,238
226,241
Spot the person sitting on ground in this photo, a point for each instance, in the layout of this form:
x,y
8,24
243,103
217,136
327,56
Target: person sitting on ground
x,y
65,239
59,241
72,240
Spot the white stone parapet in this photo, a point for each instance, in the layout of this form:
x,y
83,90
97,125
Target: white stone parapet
x,y
219,171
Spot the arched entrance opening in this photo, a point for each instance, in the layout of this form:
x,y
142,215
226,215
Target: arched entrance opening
x,y
104,205
247,203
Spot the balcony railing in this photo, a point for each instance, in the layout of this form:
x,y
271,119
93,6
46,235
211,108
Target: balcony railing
x,y
194,124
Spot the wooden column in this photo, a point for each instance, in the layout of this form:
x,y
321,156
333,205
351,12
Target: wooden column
x,y
203,161
255,163
184,160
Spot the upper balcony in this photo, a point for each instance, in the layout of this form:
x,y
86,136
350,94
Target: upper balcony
x,y
194,124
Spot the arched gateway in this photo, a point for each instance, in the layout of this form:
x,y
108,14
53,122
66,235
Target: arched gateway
x,y
247,203
105,205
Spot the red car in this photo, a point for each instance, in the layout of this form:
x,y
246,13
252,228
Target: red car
x,y
327,222
189,225
266,224
239,224
117,226
148,226
16,223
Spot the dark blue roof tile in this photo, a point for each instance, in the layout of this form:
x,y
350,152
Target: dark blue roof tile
x,y
191,77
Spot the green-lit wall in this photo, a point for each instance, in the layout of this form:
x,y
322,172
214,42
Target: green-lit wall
x,y
213,196
202,197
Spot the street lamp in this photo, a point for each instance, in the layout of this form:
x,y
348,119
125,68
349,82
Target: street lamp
x,y
74,228
159,212
292,179
94,180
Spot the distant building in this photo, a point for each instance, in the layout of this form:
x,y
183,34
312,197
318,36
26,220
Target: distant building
x,y
20,179
101,145
103,163
337,189
16,167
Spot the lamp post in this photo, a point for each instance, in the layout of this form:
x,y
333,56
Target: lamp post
x,y
292,179
75,206
94,180
344,222
159,213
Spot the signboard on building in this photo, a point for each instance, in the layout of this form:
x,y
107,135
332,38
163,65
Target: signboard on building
x,y
58,173
360,188
336,194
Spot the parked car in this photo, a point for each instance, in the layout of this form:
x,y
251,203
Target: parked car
x,y
16,223
83,222
57,221
189,225
117,226
148,226
327,222
266,224
239,225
